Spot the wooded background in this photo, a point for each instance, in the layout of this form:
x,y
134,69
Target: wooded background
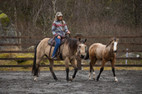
x,y
88,17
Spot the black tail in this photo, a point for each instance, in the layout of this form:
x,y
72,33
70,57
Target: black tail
x,y
34,62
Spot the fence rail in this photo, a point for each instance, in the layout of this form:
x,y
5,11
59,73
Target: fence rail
x,y
119,58
117,65
28,44
35,37
119,51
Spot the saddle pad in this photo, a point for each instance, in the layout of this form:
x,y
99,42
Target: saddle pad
x,y
51,41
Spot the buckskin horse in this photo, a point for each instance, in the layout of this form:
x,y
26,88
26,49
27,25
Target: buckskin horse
x,y
70,50
98,51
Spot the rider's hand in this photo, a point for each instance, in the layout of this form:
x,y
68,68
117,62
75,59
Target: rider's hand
x,y
68,32
59,37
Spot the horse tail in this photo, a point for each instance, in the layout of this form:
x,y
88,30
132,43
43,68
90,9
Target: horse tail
x,y
34,61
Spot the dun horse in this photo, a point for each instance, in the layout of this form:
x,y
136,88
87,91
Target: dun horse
x,y
70,50
98,51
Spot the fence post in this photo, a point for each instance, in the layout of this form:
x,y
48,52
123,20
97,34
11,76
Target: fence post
x,y
126,56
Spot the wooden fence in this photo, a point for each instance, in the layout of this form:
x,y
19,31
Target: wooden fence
x,y
90,37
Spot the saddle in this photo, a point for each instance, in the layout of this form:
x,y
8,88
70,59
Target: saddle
x,y
52,42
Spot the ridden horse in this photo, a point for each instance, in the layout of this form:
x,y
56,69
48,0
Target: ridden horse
x,y
98,51
70,50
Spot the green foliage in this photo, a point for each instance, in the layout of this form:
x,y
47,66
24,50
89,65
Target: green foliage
x,y
27,55
6,55
4,20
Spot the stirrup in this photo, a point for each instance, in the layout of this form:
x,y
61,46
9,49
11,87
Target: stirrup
x,y
54,57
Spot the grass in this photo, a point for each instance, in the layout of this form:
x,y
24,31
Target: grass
x,y
23,62
71,68
46,62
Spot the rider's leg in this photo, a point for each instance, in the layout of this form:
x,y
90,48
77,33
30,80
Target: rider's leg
x,y
58,42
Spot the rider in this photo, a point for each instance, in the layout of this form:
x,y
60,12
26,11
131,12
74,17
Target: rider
x,y
59,28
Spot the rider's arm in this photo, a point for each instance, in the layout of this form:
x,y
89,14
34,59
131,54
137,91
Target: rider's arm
x,y
54,28
65,27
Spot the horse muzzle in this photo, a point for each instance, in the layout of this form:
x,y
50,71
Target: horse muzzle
x,y
82,56
115,51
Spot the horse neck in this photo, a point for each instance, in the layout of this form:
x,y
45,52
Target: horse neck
x,y
109,50
72,45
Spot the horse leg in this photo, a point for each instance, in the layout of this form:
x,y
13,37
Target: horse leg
x,y
37,70
94,74
74,64
51,69
67,68
101,70
113,70
37,58
92,63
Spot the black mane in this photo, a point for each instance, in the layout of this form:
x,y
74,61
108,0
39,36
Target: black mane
x,y
72,43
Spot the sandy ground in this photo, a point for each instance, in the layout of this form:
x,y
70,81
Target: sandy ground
x,y
130,82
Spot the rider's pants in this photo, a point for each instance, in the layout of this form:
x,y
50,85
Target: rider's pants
x,y
58,42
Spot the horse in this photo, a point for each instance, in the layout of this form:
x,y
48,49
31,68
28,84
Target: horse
x,y
98,51
70,50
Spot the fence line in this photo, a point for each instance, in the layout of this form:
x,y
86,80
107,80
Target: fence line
x,y
123,58
117,65
28,44
35,37
41,37
119,51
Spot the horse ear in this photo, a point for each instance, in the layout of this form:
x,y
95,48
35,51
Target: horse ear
x,y
85,40
79,39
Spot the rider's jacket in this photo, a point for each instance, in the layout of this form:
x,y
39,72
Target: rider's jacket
x,y
59,28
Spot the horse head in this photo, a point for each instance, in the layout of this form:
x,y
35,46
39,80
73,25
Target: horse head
x,y
82,49
113,44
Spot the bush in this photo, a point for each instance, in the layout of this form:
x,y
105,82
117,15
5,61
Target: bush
x,y
4,20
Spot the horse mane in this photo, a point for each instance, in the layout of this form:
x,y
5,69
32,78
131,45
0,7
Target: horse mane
x,y
109,43
112,39
72,43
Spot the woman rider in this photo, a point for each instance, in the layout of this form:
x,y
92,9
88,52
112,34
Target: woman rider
x,y
59,29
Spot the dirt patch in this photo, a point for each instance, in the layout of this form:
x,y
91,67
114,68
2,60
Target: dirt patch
x,y
130,82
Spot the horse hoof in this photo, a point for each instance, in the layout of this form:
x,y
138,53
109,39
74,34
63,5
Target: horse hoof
x,y
70,80
55,79
89,78
94,75
97,79
35,78
116,80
